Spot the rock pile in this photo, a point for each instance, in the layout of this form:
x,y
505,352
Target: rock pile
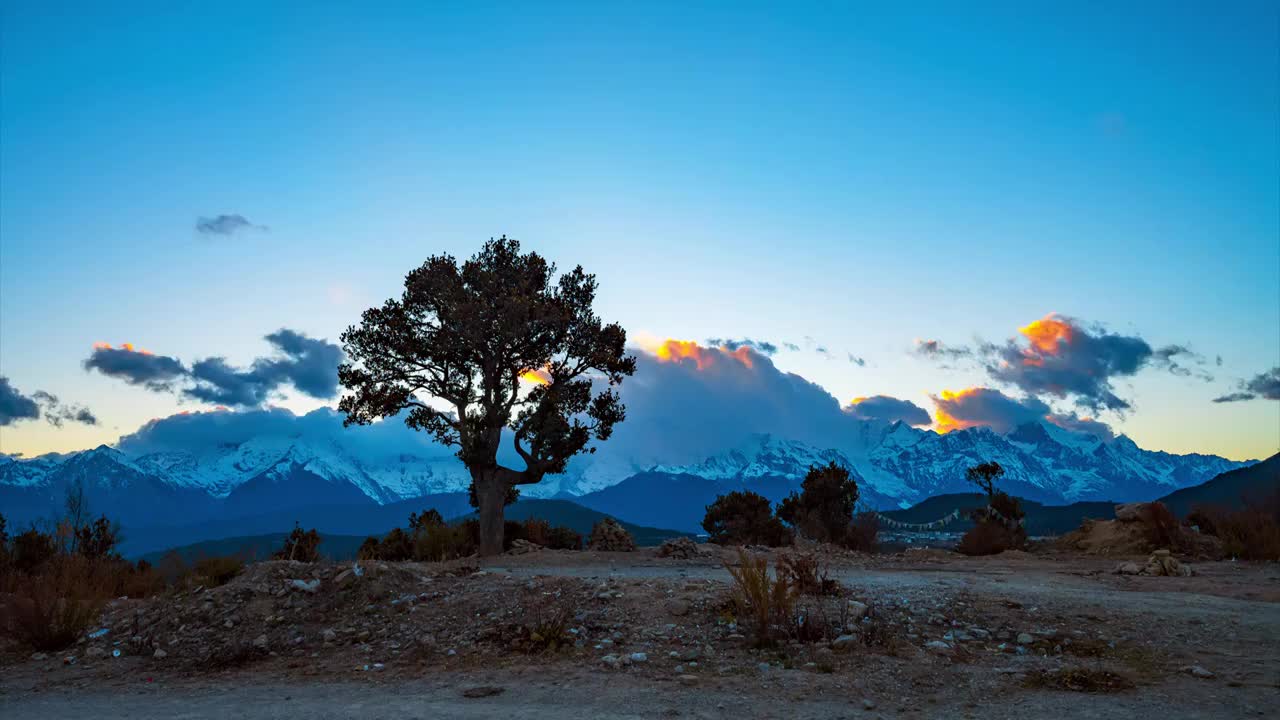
x,y
681,548
609,536
1161,563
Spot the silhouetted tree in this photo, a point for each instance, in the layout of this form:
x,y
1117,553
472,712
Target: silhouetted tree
x,y
98,539
984,475
744,518
823,508
428,519
464,336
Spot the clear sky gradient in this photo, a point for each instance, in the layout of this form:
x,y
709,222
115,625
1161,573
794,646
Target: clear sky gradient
x,y
776,171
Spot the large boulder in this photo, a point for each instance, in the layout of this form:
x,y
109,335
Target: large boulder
x,y
610,536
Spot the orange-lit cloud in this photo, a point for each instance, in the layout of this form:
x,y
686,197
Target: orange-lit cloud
x,y
128,347
1048,335
703,357
537,376
983,407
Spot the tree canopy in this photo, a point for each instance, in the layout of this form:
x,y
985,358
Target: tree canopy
x,y
498,343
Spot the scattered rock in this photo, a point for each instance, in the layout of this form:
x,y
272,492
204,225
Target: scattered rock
x,y
1197,671
329,635
857,611
938,647
609,536
688,679
639,657
159,654
1128,568
94,652
844,642
868,704
611,660
523,547
345,579
306,586
39,656
260,642
1025,639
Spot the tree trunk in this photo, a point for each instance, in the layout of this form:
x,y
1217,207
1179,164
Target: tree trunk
x,y
491,494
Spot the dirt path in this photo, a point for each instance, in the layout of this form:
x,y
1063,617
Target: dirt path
x,y
1226,619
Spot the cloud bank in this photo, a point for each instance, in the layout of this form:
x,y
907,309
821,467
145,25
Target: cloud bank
x,y
308,365
15,406
889,409
1265,385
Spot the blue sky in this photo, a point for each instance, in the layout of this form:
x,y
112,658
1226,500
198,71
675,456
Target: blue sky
x,y
863,178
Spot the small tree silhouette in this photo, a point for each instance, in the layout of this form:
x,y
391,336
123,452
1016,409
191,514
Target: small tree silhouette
x,y
984,475
823,508
464,335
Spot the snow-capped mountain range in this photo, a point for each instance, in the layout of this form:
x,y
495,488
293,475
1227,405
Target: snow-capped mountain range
x,y
895,465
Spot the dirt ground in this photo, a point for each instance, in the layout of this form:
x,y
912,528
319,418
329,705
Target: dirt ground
x,y
1012,636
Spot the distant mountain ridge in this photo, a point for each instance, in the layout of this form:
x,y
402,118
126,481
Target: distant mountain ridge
x,y
895,465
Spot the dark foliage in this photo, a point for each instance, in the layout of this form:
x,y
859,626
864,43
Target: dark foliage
x,y
984,475
217,571
1251,533
744,518
806,575
563,538
31,550
428,518
98,539
863,532
52,610
823,508
466,335
986,538
301,546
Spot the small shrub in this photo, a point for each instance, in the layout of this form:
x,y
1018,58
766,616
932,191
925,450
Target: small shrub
x,y
806,575
369,549
563,538
1251,533
440,543
744,518
397,546
31,550
172,568
985,538
1163,528
97,540
863,532
217,571
302,546
52,610
766,603
428,519
537,531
